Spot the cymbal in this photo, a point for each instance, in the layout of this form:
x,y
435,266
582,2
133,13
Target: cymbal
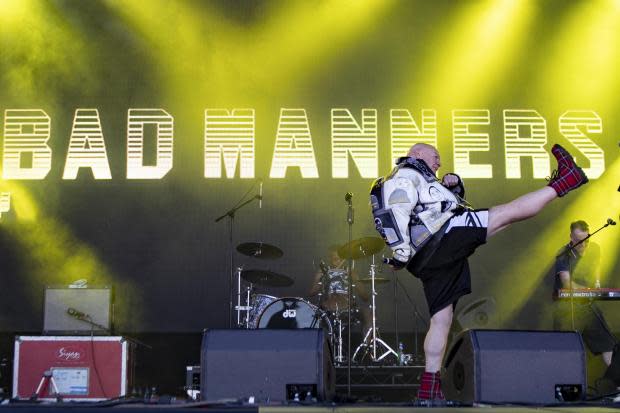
x,y
260,250
266,278
362,247
378,280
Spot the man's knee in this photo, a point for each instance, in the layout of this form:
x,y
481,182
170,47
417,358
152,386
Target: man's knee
x,y
442,319
497,221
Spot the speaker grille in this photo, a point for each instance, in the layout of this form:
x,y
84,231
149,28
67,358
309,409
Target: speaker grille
x,y
95,302
504,366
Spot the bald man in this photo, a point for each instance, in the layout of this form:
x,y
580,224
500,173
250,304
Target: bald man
x,y
432,231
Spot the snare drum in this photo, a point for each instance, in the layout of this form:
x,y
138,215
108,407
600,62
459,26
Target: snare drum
x,y
258,304
293,312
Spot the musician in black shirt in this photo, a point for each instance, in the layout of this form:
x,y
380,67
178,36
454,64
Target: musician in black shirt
x,y
579,266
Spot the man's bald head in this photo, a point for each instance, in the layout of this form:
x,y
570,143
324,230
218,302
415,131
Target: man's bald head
x,y
427,153
420,147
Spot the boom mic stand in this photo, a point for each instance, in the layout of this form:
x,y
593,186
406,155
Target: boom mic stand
x,y
231,222
86,318
571,249
416,316
350,219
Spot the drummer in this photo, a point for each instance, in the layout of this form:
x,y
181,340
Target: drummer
x,y
330,280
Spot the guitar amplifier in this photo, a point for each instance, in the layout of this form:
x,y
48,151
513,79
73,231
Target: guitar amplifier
x,y
77,311
74,368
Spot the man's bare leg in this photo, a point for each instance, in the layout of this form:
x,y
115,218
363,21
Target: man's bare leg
x,y
522,208
569,176
437,339
500,217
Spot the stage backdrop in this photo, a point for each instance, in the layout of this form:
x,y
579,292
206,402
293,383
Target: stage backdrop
x,y
128,127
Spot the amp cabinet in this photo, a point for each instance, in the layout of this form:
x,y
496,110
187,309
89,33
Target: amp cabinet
x,y
74,368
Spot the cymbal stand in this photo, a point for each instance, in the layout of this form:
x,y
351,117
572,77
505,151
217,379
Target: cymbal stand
x,y
248,303
339,344
245,323
371,339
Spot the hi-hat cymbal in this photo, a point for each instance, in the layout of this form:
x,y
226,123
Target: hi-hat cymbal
x,y
378,280
362,247
266,278
260,250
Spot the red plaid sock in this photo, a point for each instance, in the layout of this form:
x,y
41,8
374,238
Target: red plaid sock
x,y
568,175
430,387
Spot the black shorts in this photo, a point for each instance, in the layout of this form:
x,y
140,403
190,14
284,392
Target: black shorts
x,y
589,321
445,276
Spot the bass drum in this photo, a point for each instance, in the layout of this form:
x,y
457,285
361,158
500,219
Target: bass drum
x,y
293,312
258,302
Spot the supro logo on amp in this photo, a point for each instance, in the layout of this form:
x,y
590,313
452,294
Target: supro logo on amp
x,y
68,354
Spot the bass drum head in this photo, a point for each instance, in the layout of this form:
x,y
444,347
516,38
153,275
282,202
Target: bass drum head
x,y
258,304
292,313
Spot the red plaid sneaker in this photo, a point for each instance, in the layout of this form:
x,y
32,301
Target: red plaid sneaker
x,y
430,387
568,176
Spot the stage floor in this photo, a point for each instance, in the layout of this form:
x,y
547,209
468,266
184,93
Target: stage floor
x,y
337,408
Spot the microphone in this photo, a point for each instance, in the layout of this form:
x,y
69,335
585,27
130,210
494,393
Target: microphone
x,y
75,313
348,197
611,221
260,193
395,264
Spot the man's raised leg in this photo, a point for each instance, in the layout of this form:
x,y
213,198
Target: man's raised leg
x,y
568,176
522,208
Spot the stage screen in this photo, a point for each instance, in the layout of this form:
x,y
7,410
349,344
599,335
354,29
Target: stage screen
x,y
129,127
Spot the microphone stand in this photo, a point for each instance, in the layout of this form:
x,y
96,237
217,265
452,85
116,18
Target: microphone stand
x,y
398,346
350,219
416,317
231,221
571,249
85,318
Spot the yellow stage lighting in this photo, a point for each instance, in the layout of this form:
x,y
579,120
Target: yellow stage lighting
x,y
593,203
473,54
579,67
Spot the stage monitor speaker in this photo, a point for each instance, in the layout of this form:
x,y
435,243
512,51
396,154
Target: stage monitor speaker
x,y
267,364
506,366
68,309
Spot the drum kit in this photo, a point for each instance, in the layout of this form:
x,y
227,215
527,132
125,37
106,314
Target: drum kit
x,y
257,310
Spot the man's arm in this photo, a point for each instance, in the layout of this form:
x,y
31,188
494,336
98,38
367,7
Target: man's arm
x,y
316,287
565,279
595,250
399,197
454,183
392,200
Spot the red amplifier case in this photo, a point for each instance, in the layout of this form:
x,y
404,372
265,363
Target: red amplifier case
x,y
81,368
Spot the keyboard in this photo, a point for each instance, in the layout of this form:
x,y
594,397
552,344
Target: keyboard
x,y
591,293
